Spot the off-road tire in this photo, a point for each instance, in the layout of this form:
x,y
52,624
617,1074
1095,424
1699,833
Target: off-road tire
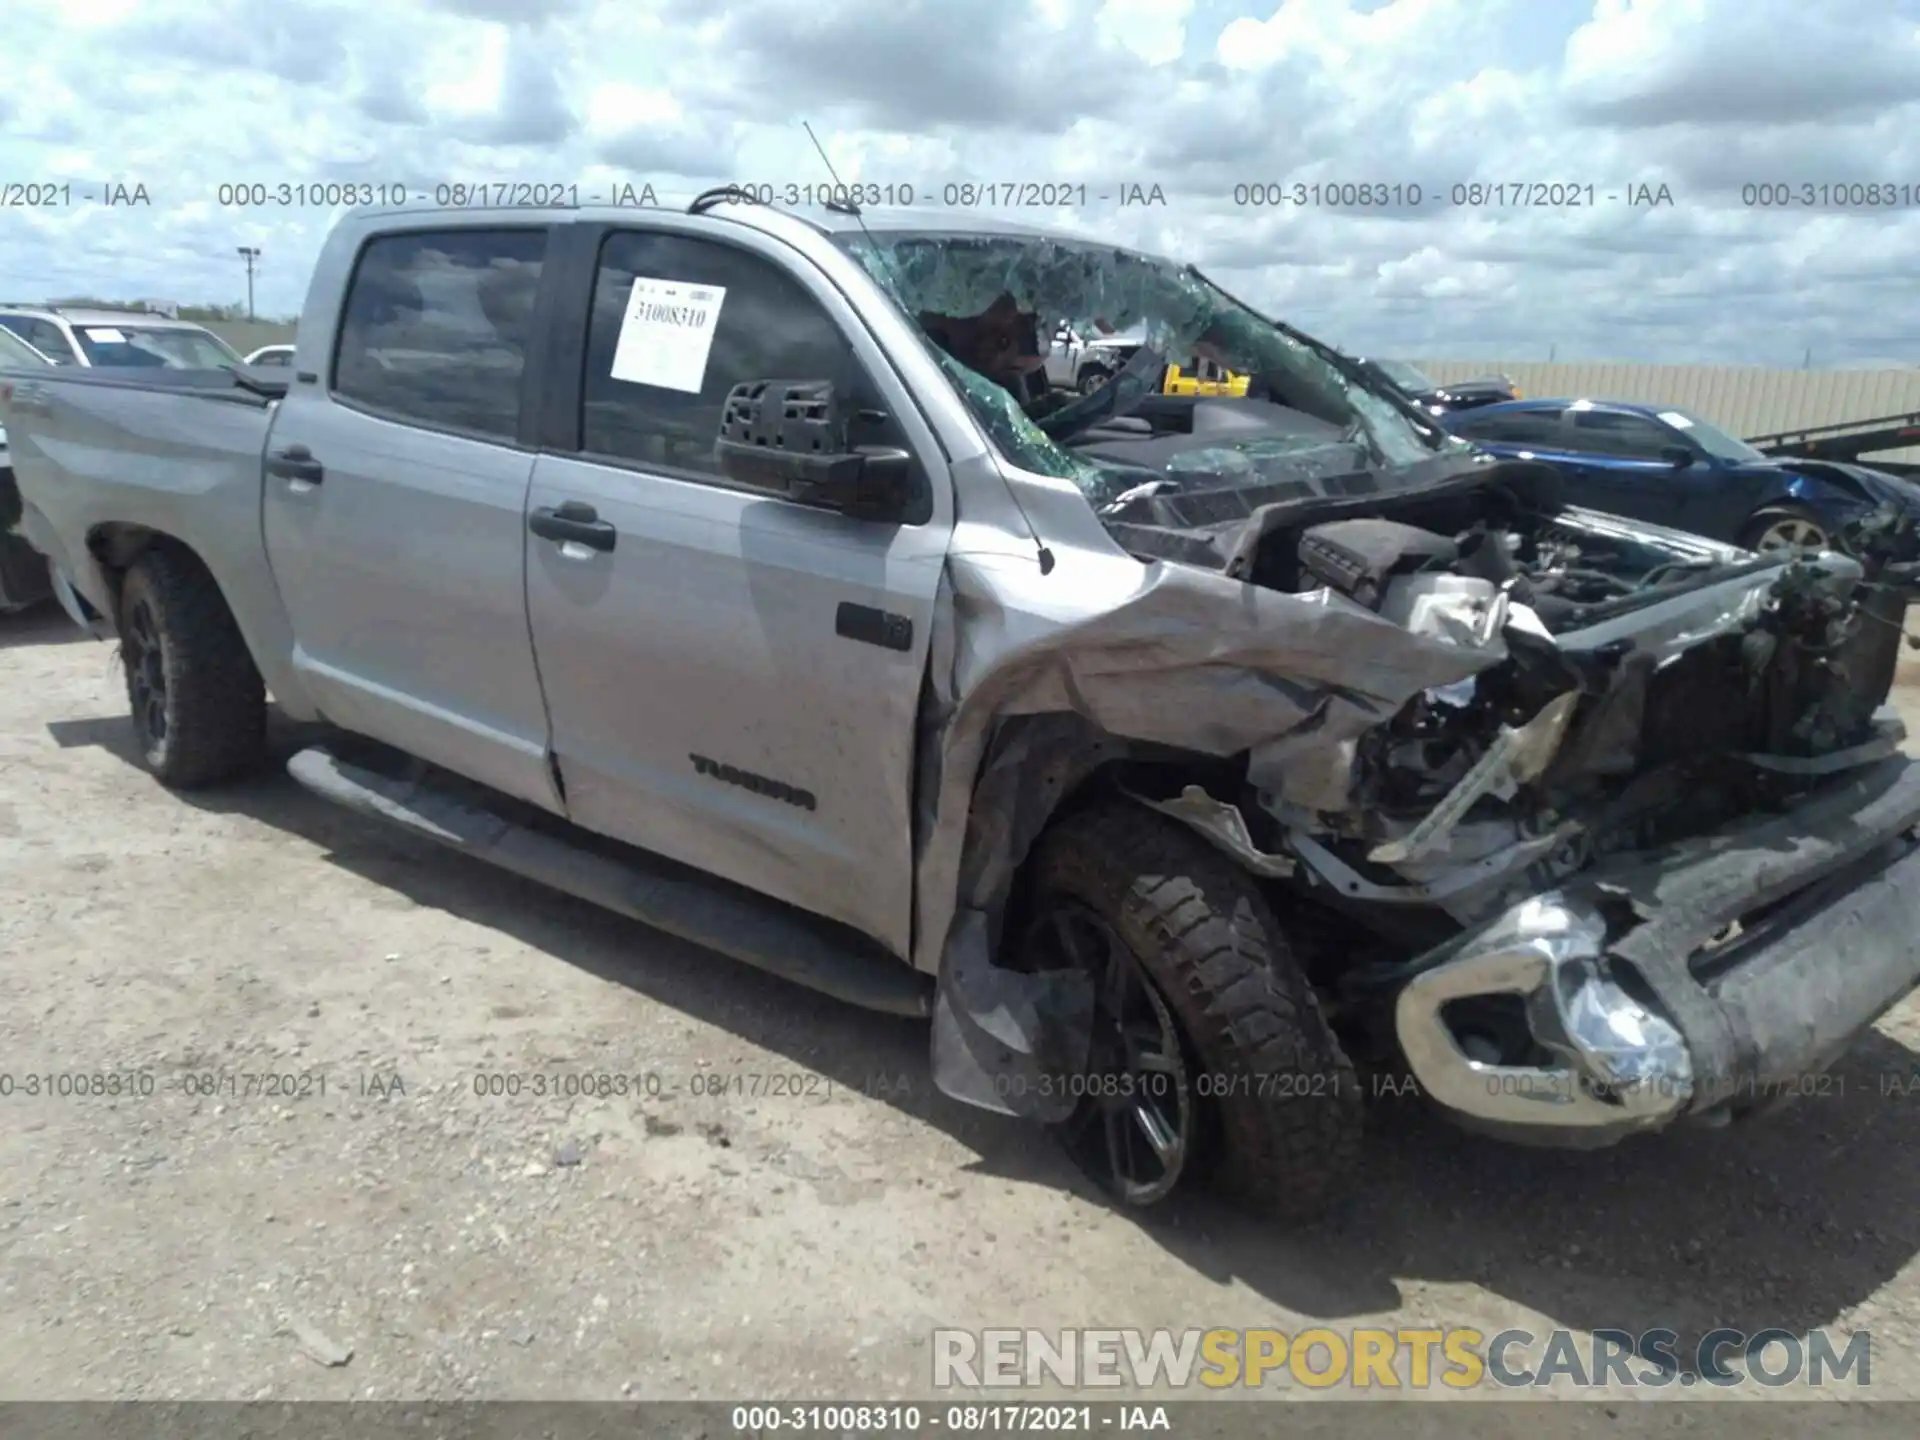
x,y
1282,1114
215,704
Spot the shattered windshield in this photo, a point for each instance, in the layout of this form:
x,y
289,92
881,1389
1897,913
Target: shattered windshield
x,y
996,307
1409,378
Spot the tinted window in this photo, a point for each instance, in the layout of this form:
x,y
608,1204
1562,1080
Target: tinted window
x,y
1607,432
436,327
767,328
50,340
15,352
1523,427
43,335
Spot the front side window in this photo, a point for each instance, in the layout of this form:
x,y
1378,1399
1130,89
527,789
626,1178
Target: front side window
x,y
1613,432
436,327
1712,439
677,323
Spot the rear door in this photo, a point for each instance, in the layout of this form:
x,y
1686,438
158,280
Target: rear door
x,y
395,502
733,678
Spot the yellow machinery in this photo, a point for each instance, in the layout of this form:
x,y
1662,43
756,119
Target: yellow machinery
x,y
1202,377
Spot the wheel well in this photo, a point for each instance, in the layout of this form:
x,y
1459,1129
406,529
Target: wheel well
x,y
1155,775
116,546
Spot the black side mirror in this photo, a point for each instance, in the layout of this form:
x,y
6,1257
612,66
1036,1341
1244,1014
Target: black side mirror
x,y
1678,456
790,438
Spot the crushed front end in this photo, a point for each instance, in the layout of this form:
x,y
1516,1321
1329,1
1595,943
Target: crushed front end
x,y
1590,824
1667,844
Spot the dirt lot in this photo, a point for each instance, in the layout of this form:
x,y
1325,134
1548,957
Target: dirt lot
x,y
686,1244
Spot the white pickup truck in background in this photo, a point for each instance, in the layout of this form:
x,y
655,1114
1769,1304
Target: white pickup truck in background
x,y
1085,362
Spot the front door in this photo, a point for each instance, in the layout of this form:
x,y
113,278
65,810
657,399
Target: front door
x,y
395,503
733,679
1618,466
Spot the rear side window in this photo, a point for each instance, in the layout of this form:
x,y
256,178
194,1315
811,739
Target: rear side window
x,y
43,335
436,328
1528,427
656,400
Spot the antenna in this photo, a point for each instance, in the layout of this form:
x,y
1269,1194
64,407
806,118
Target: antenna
x,y
849,207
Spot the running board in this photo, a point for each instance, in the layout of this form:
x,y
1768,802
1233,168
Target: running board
x,y
751,928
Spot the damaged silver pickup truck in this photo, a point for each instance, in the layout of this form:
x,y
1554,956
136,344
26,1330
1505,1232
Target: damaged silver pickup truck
x,y
1192,762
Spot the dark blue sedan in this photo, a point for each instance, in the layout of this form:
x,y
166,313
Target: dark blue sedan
x,y
1664,466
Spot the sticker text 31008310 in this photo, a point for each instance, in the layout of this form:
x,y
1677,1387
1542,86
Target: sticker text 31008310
x,y
667,333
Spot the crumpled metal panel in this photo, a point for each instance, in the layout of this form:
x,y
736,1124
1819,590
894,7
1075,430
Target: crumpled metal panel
x,y
1192,660
1029,690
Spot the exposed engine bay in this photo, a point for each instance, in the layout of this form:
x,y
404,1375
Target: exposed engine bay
x,y
1655,685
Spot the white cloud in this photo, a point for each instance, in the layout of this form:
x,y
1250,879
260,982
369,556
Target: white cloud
x,y
1703,96
1155,30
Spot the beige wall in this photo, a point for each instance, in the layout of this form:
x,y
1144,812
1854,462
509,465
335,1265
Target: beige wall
x,y
1743,400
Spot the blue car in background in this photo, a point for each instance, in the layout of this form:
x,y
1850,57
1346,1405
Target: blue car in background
x,y
1666,467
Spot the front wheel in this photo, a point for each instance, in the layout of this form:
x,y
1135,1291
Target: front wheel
x,y
1092,378
1210,1054
199,705
1786,527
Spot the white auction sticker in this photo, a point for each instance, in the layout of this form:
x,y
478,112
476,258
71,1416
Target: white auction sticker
x,y
107,337
667,333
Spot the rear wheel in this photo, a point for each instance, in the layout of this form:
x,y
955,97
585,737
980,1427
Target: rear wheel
x,y
1786,527
199,706
1092,378
1210,1054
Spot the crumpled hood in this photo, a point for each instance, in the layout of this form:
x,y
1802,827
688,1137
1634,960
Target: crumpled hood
x,y
1879,485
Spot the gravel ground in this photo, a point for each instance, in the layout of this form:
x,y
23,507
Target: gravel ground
x,y
387,1232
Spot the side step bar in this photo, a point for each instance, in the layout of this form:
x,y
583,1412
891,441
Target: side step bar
x,y
736,922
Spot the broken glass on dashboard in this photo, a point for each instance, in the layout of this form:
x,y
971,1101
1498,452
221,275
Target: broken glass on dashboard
x,y
1303,417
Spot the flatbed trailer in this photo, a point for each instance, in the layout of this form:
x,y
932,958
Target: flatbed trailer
x,y
1849,441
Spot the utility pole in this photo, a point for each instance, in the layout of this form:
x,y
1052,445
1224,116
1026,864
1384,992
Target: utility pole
x,y
249,253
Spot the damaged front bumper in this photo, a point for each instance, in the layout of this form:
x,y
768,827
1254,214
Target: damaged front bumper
x,y
1699,982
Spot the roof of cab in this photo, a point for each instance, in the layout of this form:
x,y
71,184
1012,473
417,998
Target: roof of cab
x,y
129,319
825,220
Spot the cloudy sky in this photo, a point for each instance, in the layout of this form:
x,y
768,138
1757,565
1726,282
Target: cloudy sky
x,y
1201,98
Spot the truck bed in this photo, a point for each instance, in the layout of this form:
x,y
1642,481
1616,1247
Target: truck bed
x,y
253,385
105,458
